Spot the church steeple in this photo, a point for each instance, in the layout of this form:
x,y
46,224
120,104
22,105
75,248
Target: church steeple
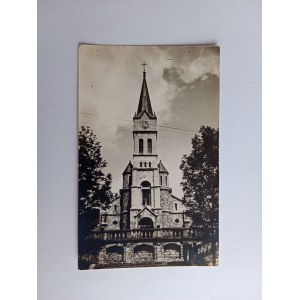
x,y
144,102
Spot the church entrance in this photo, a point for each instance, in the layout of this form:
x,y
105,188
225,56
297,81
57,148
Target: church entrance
x,y
146,223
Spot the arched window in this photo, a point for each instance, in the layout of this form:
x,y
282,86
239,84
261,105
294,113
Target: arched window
x,y
150,146
166,180
145,164
146,193
141,164
172,250
141,146
115,254
149,164
146,223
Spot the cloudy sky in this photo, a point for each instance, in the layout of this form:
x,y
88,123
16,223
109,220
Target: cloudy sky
x,y
183,83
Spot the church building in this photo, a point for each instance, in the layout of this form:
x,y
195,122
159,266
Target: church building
x,y
147,225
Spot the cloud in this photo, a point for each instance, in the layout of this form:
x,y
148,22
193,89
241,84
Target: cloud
x,y
198,99
173,76
190,104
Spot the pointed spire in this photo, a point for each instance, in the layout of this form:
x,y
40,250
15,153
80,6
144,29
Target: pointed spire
x,y
128,169
162,168
144,102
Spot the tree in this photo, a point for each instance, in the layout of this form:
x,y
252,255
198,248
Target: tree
x,y
94,187
201,184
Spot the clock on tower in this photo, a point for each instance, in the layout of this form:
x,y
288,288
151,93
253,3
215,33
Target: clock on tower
x,y
145,124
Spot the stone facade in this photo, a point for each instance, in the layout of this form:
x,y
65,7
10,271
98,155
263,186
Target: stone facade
x,y
141,253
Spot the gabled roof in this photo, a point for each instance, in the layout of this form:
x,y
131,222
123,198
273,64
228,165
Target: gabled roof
x,y
138,116
146,208
128,169
162,168
144,102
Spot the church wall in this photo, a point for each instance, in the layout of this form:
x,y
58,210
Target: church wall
x,y
136,200
159,223
133,221
168,202
156,199
170,216
112,215
148,159
113,222
142,175
167,220
172,219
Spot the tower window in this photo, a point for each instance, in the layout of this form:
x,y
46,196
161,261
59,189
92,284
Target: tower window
x,y
141,146
141,164
130,180
115,208
149,164
146,196
160,179
149,146
175,206
145,164
166,180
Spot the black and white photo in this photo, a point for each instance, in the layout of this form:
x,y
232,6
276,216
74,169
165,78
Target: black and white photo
x,y
148,156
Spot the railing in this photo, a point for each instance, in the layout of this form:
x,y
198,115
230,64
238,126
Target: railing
x,y
161,233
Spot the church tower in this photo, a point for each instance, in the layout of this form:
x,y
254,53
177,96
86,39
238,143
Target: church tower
x,y
146,200
140,195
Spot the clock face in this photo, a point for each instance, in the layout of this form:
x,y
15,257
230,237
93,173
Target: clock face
x,y
145,124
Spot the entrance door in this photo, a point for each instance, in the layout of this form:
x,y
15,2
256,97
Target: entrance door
x,y
146,223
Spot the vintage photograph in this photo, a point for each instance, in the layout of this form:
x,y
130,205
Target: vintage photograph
x,y
148,156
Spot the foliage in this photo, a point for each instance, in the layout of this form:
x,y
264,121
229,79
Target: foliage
x,y
94,187
201,182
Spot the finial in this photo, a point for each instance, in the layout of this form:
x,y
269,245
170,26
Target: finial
x,y
144,65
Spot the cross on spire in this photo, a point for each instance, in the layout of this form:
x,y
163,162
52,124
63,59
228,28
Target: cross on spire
x,y
144,65
145,103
